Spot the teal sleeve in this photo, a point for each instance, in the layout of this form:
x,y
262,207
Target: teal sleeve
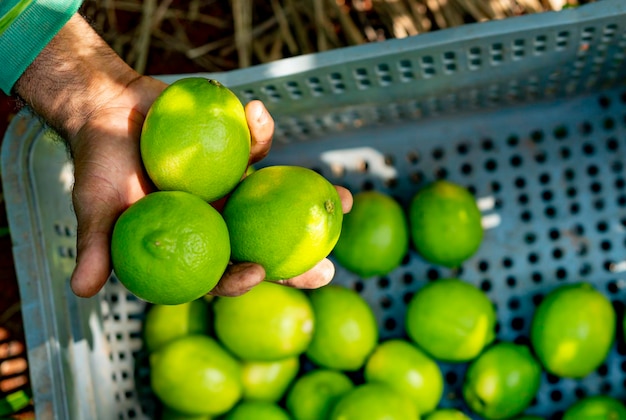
x,y
26,27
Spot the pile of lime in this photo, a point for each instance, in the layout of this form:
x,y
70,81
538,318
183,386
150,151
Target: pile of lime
x,y
442,222
172,246
282,353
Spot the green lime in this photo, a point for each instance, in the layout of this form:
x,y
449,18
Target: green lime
x,y
314,394
447,414
345,331
596,407
268,381
374,235
445,223
165,323
374,401
452,320
257,410
408,370
270,322
195,138
170,247
573,330
195,375
502,381
285,218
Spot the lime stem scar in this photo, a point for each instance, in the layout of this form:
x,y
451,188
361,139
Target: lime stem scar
x,y
329,206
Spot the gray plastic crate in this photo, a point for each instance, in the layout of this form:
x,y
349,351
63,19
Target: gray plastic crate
x,y
529,113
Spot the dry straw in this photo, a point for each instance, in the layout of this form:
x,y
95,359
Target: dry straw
x,y
212,35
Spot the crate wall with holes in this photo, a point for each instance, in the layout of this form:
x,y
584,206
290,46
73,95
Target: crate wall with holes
x,y
529,113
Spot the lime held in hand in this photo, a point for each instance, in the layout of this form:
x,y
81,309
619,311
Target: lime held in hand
x,y
195,138
285,218
170,247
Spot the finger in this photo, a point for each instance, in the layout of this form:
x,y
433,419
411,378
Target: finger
x,y
93,262
239,279
261,126
346,198
318,276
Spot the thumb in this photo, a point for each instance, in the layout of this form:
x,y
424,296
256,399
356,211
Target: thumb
x,y
96,217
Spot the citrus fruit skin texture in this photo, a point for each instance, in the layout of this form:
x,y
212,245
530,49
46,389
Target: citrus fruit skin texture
x,y
374,401
270,322
451,320
257,410
445,223
446,414
170,247
408,370
502,381
195,138
374,235
597,407
573,329
268,381
345,331
314,394
165,323
196,375
285,218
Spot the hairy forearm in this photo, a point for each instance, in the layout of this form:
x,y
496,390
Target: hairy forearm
x,y
75,75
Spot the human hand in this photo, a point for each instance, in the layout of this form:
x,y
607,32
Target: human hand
x,y
110,177
98,104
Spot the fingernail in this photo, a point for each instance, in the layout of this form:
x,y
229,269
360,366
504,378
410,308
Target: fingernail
x,y
262,116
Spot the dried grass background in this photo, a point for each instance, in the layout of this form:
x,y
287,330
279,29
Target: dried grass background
x,y
177,36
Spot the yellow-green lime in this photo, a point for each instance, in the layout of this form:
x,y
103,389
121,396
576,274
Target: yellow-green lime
x,y
170,247
596,407
195,138
270,322
445,223
345,331
374,401
451,319
374,235
502,381
446,414
573,330
408,370
165,323
196,375
257,410
268,381
314,394
286,218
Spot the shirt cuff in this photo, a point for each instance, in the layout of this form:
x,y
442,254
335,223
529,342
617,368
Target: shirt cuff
x,y
25,29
